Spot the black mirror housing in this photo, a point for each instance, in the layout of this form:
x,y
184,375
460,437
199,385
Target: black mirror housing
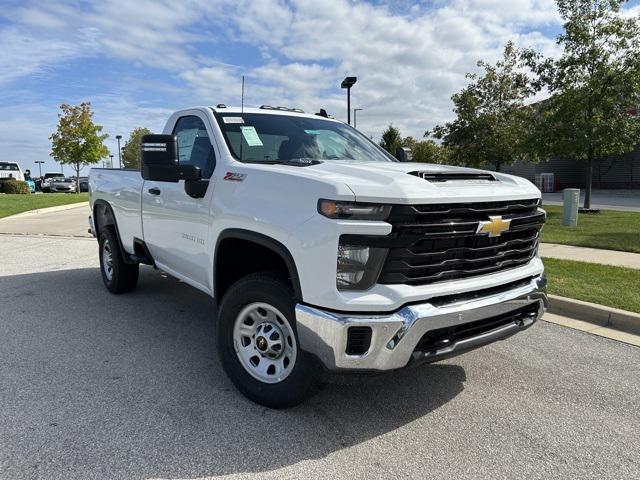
x,y
159,158
159,150
159,155
403,154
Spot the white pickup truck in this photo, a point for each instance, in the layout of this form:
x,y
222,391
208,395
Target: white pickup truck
x,y
325,253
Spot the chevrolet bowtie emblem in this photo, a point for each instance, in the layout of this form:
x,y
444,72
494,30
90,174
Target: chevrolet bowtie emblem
x,y
494,226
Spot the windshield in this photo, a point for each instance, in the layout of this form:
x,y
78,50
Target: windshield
x,y
8,166
256,137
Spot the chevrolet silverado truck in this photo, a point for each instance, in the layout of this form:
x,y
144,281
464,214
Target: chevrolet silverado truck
x,y
325,254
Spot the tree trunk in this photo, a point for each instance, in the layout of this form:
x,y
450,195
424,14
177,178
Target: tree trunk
x,y
77,178
589,181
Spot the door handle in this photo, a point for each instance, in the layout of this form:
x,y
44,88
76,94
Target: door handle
x,y
154,191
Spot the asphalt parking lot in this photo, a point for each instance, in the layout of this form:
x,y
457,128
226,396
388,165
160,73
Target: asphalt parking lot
x,y
100,386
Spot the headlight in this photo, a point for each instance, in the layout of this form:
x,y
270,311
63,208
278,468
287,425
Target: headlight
x,y
353,210
358,266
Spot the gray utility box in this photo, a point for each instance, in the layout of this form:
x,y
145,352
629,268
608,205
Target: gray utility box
x,y
571,200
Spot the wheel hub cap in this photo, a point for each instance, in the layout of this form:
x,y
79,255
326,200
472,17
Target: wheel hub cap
x,y
264,342
261,343
269,340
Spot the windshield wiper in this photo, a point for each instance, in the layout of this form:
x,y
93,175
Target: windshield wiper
x,y
294,162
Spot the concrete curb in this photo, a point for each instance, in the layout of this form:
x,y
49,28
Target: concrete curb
x,y
39,211
597,314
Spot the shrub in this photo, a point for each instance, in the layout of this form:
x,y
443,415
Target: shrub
x,y
14,186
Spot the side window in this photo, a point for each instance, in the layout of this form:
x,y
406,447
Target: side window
x,y
194,145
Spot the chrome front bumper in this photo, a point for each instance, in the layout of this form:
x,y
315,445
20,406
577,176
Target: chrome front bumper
x,y
394,336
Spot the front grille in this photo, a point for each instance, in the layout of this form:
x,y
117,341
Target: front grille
x,y
443,337
433,243
439,242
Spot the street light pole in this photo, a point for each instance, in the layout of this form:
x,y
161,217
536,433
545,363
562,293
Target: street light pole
x,y
355,118
118,137
40,162
347,83
110,161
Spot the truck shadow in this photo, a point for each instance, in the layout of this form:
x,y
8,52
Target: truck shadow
x,y
130,386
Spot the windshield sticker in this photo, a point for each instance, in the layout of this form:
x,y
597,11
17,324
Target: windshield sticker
x,y
233,119
312,132
251,136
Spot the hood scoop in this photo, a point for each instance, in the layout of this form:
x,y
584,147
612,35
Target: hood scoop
x,y
442,177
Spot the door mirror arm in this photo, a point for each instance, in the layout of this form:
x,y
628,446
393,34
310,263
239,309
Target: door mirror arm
x,y
196,188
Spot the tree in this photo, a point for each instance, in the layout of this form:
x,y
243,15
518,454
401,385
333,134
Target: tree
x,y
77,140
426,151
131,149
391,139
492,125
594,85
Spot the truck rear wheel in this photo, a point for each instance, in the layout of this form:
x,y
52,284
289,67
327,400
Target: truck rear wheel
x,y
258,345
118,276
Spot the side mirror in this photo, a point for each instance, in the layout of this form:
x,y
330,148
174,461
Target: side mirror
x,y
403,154
159,160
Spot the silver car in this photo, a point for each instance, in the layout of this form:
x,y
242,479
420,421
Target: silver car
x,y
62,184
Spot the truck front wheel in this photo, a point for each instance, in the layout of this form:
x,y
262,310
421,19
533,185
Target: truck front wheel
x,y
258,345
118,276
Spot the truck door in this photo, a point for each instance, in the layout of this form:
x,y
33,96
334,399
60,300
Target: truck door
x,y
175,225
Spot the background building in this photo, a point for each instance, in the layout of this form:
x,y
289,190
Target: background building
x,y
618,171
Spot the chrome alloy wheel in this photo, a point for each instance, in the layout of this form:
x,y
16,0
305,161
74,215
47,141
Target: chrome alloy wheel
x,y
107,260
264,342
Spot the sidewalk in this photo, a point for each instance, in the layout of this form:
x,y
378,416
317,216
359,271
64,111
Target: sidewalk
x,y
625,200
65,220
590,255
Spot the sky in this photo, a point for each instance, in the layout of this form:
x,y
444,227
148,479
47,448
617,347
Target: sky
x,y
137,61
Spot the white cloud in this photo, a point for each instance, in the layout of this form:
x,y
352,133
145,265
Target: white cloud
x,y
23,55
409,59
408,65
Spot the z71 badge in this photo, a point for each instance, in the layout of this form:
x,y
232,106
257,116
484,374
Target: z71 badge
x,y
235,177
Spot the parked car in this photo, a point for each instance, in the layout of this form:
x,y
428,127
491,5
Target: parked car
x,y
324,253
44,183
62,184
11,170
29,181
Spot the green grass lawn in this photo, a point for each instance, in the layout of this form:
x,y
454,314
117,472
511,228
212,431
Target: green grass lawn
x,y
603,284
12,204
610,230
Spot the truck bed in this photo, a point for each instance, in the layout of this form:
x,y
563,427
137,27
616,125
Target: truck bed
x,y
122,190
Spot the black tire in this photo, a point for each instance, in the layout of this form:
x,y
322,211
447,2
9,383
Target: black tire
x,y
122,277
263,288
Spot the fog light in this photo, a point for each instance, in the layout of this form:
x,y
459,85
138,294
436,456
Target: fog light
x,y
358,267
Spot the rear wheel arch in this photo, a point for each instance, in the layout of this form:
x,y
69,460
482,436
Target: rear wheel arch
x,y
242,252
103,217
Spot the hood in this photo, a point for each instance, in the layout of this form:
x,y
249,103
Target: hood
x,y
394,182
